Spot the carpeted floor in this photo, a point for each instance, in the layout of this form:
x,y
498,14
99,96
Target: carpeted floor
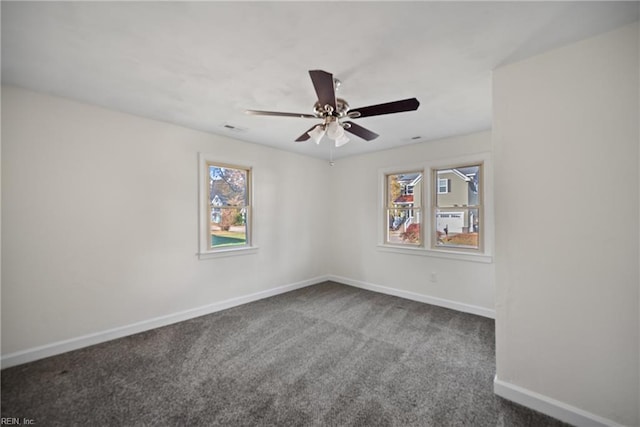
x,y
326,355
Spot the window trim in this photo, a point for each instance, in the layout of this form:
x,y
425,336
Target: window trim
x,y
205,251
483,255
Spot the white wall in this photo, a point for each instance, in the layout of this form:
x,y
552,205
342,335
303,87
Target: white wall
x,y
355,254
100,223
99,220
566,193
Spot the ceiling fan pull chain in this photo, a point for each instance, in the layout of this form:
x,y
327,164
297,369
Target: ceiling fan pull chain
x,y
331,162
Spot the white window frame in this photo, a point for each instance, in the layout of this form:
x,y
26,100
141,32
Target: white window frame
x,y
483,255
446,186
205,251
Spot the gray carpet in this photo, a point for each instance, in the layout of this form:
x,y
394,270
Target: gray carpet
x,y
326,355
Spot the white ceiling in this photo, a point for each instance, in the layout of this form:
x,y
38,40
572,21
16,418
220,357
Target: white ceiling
x,y
201,64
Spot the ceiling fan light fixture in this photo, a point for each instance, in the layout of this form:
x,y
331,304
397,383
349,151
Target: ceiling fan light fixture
x,y
316,133
340,141
335,130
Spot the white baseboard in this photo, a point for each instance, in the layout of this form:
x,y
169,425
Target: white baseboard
x,y
546,405
64,346
59,347
522,396
454,305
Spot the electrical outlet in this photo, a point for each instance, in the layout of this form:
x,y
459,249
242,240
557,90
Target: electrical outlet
x,y
434,277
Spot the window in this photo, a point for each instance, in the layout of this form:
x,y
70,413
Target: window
x,y
457,212
225,209
443,186
403,208
441,208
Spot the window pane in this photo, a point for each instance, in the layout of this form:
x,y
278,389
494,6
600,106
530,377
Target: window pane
x,y
228,226
458,228
457,186
404,226
403,210
228,206
227,186
404,189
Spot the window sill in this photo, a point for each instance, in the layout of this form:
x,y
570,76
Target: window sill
x,y
437,253
221,253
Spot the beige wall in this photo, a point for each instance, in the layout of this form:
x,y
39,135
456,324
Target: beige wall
x,y
566,270
458,191
417,193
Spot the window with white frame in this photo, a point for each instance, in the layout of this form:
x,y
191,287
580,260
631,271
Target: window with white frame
x,y
225,209
456,214
441,208
403,208
443,186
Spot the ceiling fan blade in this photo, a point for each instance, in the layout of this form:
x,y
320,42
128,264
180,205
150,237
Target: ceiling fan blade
x,y
279,114
324,86
305,135
358,130
387,108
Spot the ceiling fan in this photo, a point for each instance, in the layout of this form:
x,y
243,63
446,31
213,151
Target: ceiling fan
x,y
333,111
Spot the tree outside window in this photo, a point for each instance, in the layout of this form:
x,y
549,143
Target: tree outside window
x,y
404,208
229,207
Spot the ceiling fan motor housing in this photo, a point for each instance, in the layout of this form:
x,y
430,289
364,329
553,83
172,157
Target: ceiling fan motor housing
x,y
342,108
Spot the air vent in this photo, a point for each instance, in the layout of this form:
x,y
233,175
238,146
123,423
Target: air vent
x,y
233,128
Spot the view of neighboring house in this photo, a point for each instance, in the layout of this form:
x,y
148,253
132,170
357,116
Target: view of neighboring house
x,y
456,208
457,188
216,203
410,196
